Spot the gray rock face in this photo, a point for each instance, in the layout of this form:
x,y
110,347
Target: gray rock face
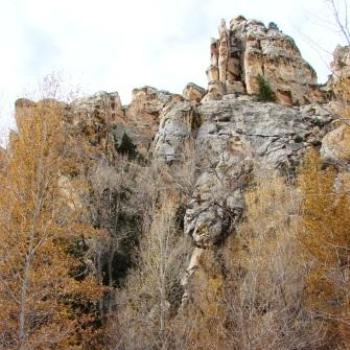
x,y
174,129
234,134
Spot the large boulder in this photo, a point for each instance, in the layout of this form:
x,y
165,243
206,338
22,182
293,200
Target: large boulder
x,y
174,128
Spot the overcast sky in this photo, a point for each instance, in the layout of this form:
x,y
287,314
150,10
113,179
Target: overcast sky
x,y
117,45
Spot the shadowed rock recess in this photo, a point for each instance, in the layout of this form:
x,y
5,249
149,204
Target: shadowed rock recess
x,y
229,130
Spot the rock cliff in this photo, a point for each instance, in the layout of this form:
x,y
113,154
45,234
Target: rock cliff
x,y
230,132
247,49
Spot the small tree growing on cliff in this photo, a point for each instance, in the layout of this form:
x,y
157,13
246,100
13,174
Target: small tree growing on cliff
x,y
265,93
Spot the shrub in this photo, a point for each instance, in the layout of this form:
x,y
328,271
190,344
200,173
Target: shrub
x,y
324,236
127,147
265,93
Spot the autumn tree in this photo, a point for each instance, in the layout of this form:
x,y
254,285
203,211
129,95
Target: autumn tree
x,y
324,235
152,292
43,302
202,320
264,273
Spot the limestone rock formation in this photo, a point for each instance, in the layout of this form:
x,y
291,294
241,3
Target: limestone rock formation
x,y
96,116
174,129
340,78
193,92
142,115
103,106
233,134
246,49
102,116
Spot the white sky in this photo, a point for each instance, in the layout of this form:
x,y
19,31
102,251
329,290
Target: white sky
x,y
117,45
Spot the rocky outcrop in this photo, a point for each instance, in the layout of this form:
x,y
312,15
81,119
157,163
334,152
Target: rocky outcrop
x,y
247,49
234,133
231,136
97,117
142,115
102,106
193,92
104,120
340,79
174,129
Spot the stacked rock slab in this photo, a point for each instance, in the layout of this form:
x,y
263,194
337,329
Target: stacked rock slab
x,y
247,49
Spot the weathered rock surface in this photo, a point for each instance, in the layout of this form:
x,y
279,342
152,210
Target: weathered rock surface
x,y
247,49
336,146
97,117
143,113
340,79
193,92
174,128
231,137
233,134
103,119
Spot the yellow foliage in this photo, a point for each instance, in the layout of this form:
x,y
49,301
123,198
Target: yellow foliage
x,y
324,235
38,290
203,321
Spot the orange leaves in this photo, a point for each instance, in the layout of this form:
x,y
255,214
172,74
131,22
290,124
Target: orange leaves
x,y
325,237
39,292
